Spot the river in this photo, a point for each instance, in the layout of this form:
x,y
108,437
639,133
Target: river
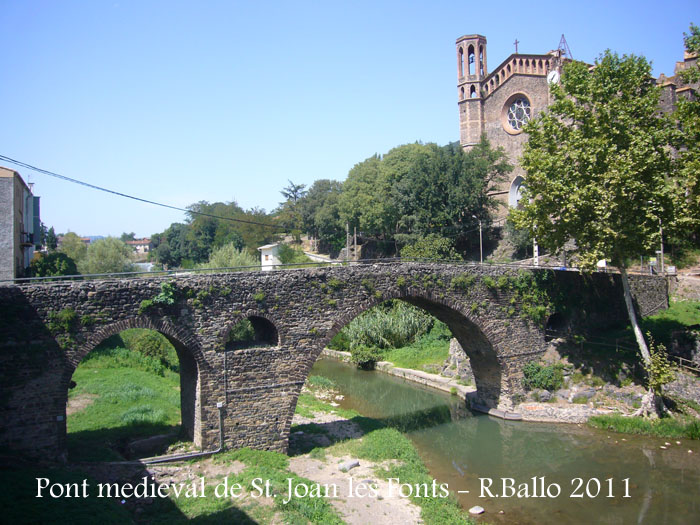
x,y
581,475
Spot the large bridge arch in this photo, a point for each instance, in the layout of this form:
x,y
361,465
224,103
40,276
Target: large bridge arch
x,y
476,337
190,358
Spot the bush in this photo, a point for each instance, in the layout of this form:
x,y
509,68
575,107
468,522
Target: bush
x,y
432,246
242,332
365,357
289,255
231,256
55,263
392,324
536,376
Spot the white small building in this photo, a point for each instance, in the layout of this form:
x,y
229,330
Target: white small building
x,y
268,256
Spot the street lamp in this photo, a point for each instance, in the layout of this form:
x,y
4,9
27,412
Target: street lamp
x,y
481,242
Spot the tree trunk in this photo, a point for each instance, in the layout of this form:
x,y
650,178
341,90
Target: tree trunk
x,y
652,405
643,349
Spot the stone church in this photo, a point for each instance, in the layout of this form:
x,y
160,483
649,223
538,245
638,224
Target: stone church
x,y
500,102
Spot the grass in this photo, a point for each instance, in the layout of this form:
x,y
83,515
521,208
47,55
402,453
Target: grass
x,y
431,349
390,445
680,315
19,504
264,465
679,427
126,402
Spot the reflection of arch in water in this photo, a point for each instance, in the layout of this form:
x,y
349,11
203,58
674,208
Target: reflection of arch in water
x,y
189,356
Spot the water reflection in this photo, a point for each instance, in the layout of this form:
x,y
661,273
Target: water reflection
x,y
461,449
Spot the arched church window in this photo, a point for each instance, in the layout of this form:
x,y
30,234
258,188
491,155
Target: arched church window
x,y
461,62
472,92
470,59
515,192
462,94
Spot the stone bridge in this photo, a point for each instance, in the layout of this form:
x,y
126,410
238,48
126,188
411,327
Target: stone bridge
x,y
498,315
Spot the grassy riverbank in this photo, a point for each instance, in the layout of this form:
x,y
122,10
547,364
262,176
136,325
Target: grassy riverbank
x,y
122,394
678,428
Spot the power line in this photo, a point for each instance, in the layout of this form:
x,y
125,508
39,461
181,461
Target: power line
x,y
87,184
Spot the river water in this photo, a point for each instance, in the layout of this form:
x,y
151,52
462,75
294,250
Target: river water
x,y
621,479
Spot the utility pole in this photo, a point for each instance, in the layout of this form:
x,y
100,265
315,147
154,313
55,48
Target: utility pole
x,y
481,241
354,253
347,241
661,236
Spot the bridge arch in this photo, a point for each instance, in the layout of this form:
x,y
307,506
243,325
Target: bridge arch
x,y
474,336
264,327
190,358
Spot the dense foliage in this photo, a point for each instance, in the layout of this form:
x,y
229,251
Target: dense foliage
x,y
230,255
53,263
108,255
597,163
687,144
415,191
545,377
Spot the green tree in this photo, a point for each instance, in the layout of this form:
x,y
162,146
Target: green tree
x,y
108,255
290,212
73,246
53,263
231,256
51,239
687,140
321,214
288,255
433,247
128,236
597,164
365,201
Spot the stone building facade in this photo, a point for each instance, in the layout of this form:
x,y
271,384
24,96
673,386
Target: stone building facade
x,y
498,103
19,224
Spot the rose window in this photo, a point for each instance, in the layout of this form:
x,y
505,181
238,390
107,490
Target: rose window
x,y
519,113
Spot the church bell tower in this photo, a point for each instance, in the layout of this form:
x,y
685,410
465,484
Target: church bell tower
x,y
471,71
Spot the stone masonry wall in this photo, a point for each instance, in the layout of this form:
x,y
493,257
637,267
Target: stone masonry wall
x,y
47,329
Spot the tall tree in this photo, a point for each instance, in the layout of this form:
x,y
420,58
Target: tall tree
x,y
688,136
597,164
289,211
321,215
51,239
108,255
73,246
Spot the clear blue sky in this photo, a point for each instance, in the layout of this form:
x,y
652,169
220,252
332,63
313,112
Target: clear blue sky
x,y
180,101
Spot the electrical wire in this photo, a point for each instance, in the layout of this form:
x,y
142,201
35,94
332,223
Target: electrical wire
x,y
87,184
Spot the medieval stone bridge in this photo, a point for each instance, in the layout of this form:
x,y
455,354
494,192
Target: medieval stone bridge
x,y
496,313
